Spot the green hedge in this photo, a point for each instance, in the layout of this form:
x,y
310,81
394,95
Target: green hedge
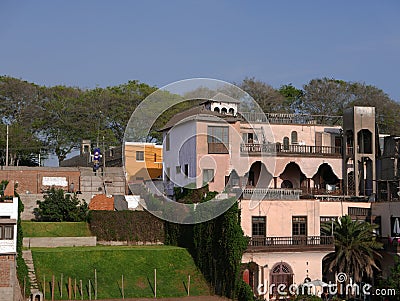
x,y
131,226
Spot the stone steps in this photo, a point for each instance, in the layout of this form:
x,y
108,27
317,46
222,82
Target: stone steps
x,y
27,256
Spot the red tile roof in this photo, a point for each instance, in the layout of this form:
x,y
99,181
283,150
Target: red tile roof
x,y
101,202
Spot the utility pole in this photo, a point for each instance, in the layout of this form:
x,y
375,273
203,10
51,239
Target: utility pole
x,y
104,157
7,147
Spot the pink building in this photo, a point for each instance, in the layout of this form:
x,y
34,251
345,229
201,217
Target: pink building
x,y
290,171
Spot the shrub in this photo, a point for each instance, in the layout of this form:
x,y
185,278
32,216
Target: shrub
x,y
131,226
60,207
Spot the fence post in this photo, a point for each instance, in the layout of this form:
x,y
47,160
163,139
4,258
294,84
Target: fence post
x,y
189,286
155,283
52,288
122,284
95,284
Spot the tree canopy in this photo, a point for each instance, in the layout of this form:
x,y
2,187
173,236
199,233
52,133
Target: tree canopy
x,y
53,120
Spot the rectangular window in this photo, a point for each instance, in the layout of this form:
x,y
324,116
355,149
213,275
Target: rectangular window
x,y
208,175
178,169
258,226
139,155
299,225
186,171
218,139
326,221
167,141
6,232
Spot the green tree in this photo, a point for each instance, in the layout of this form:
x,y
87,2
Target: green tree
x,y
292,95
356,248
269,99
18,108
120,102
62,120
330,97
325,96
60,207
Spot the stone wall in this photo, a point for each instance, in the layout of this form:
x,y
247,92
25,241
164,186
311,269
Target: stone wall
x,y
54,242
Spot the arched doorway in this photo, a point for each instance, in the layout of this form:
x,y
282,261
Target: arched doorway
x,y
258,176
281,273
325,180
251,275
292,174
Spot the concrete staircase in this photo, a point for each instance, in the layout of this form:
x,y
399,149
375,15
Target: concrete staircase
x,y
111,182
29,201
27,256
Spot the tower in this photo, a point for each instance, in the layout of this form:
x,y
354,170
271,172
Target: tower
x,y
359,159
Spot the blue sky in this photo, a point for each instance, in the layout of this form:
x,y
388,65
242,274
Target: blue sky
x,y
104,43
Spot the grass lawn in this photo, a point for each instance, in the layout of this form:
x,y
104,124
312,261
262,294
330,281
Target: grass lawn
x,y
136,264
55,229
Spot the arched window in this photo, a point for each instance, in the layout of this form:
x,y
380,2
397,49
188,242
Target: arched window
x,y
224,111
231,111
285,143
216,109
294,137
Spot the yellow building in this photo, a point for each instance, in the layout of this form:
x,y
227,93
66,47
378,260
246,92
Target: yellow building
x,y
143,161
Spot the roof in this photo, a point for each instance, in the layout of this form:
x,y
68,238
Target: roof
x,y
221,97
198,113
101,202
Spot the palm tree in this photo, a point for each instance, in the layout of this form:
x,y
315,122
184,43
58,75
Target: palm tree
x,y
355,248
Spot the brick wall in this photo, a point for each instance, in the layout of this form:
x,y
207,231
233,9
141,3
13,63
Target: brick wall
x,y
30,179
6,270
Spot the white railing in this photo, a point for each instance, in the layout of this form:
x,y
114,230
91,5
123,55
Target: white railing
x,y
271,193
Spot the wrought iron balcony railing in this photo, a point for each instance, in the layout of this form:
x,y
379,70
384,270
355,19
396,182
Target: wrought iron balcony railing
x,y
292,243
278,149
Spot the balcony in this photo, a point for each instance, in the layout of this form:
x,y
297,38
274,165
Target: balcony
x,y
277,149
271,194
291,244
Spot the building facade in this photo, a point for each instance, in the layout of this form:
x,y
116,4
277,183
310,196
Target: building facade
x,y
294,172
9,288
143,161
